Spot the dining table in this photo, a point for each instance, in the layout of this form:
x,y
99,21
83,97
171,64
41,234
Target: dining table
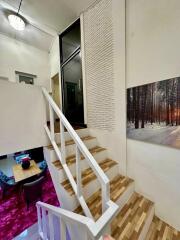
x,y
21,174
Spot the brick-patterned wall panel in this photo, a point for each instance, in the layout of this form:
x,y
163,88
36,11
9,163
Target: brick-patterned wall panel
x,y
98,46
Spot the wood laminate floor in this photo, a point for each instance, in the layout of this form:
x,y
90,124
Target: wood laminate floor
x,y
131,219
160,230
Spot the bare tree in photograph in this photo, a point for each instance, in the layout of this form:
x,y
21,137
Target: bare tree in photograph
x,y
144,100
136,92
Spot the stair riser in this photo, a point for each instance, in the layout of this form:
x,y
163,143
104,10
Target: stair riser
x,y
70,150
81,133
47,154
93,186
55,178
84,165
63,197
123,199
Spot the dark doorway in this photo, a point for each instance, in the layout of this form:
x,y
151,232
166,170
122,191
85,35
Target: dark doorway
x,y
71,74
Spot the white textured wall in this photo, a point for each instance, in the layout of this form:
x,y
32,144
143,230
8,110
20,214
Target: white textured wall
x,y
23,115
98,46
104,65
153,54
17,56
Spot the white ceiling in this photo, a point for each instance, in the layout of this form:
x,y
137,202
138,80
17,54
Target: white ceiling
x,y
46,18
31,35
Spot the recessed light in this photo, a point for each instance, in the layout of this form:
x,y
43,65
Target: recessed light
x,y
16,22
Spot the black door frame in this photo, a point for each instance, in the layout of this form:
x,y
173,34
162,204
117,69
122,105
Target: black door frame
x,y
62,64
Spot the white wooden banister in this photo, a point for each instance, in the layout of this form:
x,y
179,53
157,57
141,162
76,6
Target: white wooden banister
x,y
107,205
92,229
81,148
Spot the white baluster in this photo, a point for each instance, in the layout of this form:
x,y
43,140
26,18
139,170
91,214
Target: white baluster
x,y
51,227
78,172
63,230
39,219
105,196
51,121
44,224
63,147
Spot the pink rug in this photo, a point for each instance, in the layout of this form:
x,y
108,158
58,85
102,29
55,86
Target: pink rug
x,y
14,216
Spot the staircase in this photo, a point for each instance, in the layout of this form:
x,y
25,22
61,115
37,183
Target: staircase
x,y
95,198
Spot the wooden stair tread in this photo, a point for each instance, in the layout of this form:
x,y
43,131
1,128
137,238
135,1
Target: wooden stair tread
x,y
131,219
71,142
118,185
161,231
88,175
72,159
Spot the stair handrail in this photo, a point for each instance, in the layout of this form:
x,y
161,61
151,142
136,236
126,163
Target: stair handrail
x,y
80,149
94,230
109,208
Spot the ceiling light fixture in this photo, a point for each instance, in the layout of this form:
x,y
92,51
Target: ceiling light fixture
x,y
16,21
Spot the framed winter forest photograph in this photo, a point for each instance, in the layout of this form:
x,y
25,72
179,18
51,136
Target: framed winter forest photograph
x,y
153,112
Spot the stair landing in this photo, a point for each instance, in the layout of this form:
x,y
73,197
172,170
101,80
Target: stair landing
x,y
130,221
160,230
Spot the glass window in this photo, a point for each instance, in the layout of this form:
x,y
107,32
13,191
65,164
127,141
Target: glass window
x,y
25,77
70,41
71,74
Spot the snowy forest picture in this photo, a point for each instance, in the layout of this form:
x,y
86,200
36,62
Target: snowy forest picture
x,y
153,112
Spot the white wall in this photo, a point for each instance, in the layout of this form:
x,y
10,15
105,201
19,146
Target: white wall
x,y
54,60
17,56
153,54
23,115
54,57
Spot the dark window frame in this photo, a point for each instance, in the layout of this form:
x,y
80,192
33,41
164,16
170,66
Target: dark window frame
x,y
28,75
74,54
